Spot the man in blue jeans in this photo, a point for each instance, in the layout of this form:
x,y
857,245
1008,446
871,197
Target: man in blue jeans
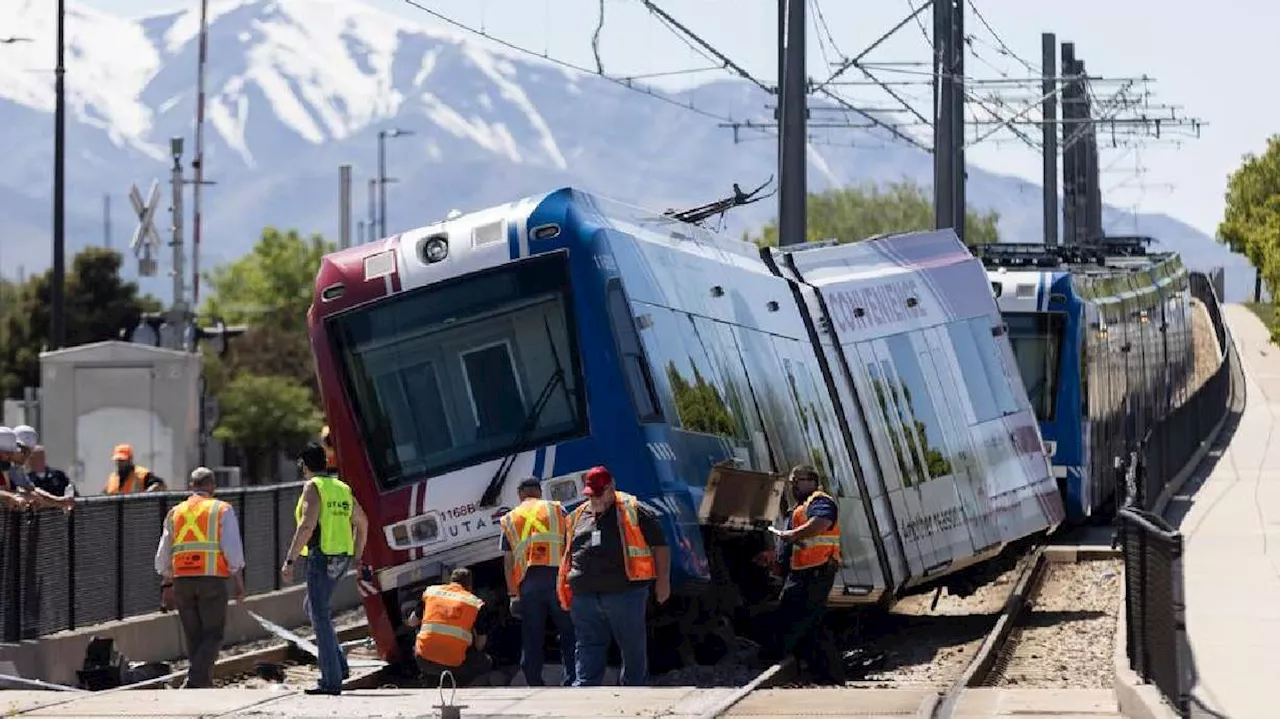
x,y
332,530
532,544
617,551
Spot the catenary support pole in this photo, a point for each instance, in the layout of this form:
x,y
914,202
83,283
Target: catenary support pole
x,y
58,326
1049,134
943,122
793,133
344,206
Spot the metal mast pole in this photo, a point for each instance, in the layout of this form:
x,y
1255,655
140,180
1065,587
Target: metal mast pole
x,y
198,163
58,327
956,49
1049,134
382,183
943,122
344,206
793,134
177,320
372,232
1070,162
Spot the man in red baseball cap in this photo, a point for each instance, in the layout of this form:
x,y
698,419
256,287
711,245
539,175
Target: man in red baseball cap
x,y
616,551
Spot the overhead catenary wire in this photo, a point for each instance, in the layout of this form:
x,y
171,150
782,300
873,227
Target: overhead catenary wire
x,y
546,56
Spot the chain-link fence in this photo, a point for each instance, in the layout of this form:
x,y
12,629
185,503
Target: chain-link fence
x,y
1155,613
97,564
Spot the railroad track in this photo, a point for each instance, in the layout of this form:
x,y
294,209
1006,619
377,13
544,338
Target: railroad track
x,y
981,657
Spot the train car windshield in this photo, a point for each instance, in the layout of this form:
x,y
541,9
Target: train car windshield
x,y
464,371
1036,338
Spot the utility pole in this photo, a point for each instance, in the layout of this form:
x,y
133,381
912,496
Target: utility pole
x,y
198,163
371,233
1049,134
1092,195
793,134
960,175
945,124
1070,162
178,315
344,206
58,326
106,220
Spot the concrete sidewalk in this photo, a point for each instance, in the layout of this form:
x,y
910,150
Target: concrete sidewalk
x,y
1229,514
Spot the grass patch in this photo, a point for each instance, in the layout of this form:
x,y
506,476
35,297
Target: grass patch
x,y
1266,311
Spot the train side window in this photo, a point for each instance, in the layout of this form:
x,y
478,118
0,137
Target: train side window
x,y
918,406
973,372
635,366
997,371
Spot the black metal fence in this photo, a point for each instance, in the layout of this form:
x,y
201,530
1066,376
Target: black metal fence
x,y
1154,607
1155,612
97,564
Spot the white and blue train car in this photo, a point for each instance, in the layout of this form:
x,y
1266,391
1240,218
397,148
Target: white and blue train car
x,y
1104,346
564,331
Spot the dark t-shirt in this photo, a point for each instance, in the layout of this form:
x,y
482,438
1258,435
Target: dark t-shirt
x,y
821,508
53,481
602,568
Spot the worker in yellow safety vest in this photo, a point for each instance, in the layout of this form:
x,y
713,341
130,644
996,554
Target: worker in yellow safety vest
x,y
331,534
453,623
199,549
810,558
533,540
130,478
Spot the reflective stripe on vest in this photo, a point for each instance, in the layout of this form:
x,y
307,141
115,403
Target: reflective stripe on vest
x,y
535,532
814,551
334,523
197,535
448,615
638,557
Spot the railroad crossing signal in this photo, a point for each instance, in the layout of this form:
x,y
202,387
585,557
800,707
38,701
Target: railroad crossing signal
x,y
145,237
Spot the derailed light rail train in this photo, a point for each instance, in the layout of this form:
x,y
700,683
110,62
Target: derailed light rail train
x,y
548,335
1103,338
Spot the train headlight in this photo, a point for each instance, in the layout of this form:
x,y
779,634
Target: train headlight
x,y
435,249
563,489
423,529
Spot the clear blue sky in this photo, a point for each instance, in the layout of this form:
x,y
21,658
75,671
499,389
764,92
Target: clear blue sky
x,y
1207,57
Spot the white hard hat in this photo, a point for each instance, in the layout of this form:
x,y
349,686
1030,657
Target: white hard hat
x,y
8,440
26,434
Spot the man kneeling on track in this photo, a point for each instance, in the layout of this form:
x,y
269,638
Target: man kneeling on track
x,y
810,558
454,623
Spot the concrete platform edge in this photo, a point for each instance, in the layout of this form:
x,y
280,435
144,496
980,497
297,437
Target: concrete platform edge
x,y
158,637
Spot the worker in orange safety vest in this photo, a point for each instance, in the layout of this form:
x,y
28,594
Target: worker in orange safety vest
x,y
199,550
532,543
130,478
616,550
810,559
452,635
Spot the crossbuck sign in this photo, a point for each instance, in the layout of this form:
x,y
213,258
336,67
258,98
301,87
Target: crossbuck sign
x,y
145,237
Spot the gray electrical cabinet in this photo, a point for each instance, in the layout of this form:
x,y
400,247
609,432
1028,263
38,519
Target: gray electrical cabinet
x,y
96,396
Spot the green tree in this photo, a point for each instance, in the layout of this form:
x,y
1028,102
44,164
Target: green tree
x,y
263,414
270,290
852,214
1251,220
98,305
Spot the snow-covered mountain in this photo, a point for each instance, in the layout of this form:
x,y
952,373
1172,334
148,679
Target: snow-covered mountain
x,y
297,87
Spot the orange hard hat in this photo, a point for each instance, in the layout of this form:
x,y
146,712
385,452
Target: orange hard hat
x,y
122,452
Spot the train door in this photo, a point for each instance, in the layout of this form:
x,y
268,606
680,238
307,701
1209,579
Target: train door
x,y
860,566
